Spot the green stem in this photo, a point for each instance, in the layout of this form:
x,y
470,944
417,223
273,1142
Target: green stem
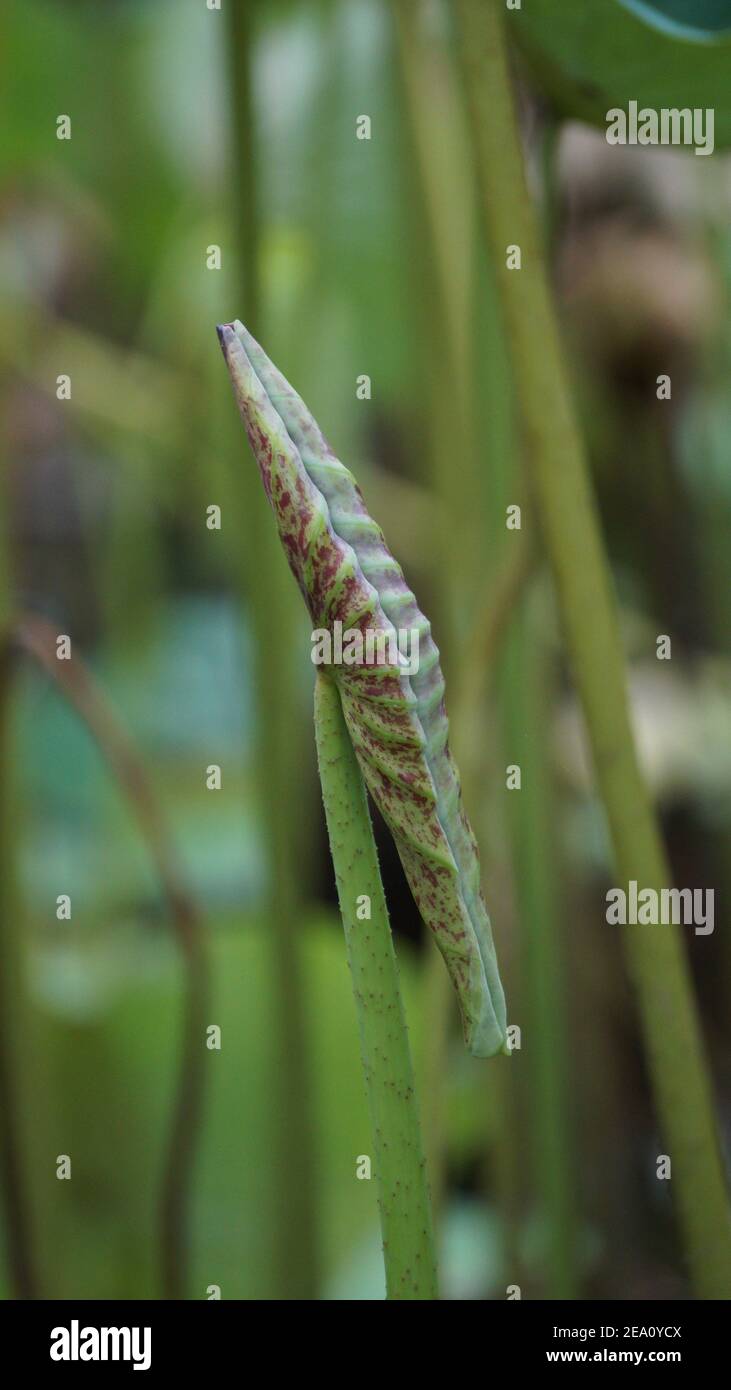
x,y
272,604
498,594
444,207
244,189
528,678
408,1247
528,694
567,511
496,608
16,1201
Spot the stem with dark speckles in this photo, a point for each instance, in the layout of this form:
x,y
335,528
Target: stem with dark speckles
x,y
400,1170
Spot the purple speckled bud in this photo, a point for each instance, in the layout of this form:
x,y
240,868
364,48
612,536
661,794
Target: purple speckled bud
x,y
397,720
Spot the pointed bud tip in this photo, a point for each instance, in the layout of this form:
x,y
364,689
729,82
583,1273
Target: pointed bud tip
x,y
224,331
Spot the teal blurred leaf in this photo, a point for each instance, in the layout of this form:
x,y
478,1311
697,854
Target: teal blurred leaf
x,y
587,56
688,18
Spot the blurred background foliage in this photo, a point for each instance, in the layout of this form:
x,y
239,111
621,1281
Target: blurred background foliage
x,y
347,257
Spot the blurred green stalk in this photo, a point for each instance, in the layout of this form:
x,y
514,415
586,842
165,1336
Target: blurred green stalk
x,y
526,713
555,457
18,1230
444,208
408,1246
271,600
528,697
244,189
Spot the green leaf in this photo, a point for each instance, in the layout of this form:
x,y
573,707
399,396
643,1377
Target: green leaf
x,y
397,721
588,56
691,19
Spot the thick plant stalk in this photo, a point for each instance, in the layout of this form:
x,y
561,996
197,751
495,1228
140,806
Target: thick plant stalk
x,y
400,1168
555,458
396,720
